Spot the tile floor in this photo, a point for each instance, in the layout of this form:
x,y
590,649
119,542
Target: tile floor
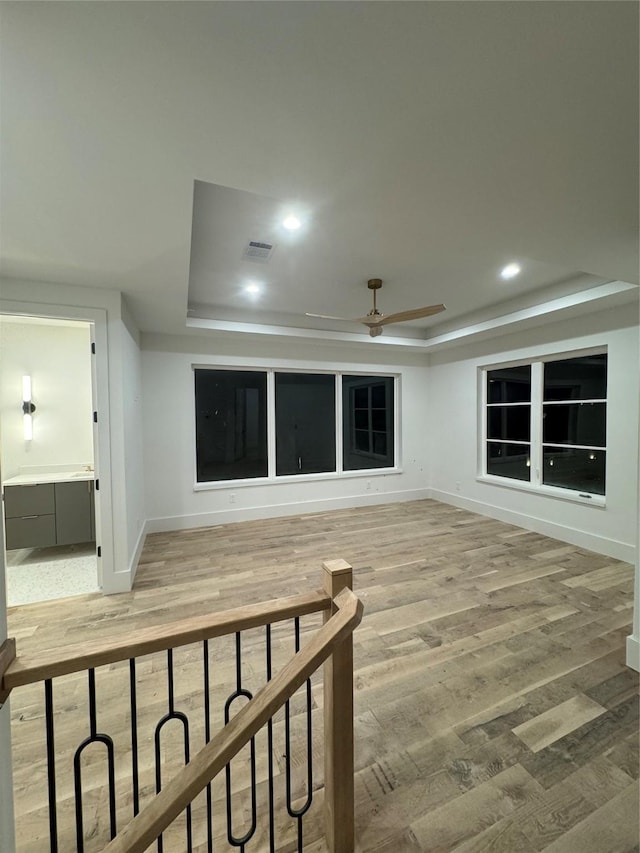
x,y
42,574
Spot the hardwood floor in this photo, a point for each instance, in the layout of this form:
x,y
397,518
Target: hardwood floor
x,y
494,711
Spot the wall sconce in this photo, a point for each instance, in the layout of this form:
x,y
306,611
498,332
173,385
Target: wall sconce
x,y
27,409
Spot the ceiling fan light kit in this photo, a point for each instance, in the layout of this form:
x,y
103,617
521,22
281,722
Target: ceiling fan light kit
x,y
375,319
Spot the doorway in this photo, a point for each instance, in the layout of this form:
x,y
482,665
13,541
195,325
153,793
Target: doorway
x,y
47,456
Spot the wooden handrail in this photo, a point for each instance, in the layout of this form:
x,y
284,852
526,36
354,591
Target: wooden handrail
x,y
7,656
214,756
28,669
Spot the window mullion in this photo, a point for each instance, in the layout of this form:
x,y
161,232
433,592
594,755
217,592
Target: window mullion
x,y
482,426
370,418
339,437
271,424
395,416
537,387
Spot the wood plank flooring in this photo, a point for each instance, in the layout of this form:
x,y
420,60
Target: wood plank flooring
x,y
494,711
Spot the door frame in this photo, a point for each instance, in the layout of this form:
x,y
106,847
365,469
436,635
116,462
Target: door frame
x,y
97,317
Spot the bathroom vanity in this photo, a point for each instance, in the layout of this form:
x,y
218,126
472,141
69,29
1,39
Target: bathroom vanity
x,y
41,510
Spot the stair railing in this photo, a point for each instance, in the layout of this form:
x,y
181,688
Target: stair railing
x,y
331,645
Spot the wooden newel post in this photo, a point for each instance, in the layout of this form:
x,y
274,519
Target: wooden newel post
x,y
338,725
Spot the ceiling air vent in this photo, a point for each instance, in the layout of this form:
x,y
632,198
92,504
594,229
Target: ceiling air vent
x,y
258,252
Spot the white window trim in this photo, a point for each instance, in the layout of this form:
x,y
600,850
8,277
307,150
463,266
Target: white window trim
x,y
273,479
546,491
535,486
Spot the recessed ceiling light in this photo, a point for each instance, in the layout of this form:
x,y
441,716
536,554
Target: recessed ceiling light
x,y
252,288
510,271
291,223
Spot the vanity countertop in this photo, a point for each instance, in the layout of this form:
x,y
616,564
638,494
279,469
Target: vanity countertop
x,y
51,477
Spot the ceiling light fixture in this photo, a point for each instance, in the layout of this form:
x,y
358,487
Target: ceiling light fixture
x,y
510,271
252,288
291,223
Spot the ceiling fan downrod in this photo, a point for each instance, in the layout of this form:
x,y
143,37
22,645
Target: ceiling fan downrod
x,y
374,284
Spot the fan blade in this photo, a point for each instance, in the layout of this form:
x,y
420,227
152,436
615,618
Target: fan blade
x,y
327,317
400,316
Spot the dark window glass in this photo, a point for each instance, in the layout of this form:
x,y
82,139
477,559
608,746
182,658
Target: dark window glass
x,y
379,420
575,423
509,385
361,441
380,443
379,394
231,425
361,397
582,378
361,419
512,423
367,428
305,423
580,470
508,460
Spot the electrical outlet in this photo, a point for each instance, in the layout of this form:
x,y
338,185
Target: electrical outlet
x,y
368,486
457,485
232,498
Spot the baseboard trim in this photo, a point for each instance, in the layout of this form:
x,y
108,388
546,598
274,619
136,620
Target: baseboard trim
x,y
581,538
633,653
123,581
229,516
133,564
117,582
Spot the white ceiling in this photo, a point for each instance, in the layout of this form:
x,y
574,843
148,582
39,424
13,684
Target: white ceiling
x,y
425,143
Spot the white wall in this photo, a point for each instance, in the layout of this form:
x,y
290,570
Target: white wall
x,y
453,427
169,435
58,359
133,445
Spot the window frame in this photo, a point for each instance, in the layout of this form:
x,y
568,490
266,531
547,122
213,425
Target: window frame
x,y
272,478
536,484
304,373
389,426
194,417
525,444
370,451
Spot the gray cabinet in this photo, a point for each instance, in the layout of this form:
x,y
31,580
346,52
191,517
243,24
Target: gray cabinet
x,y
30,520
45,514
73,512
38,499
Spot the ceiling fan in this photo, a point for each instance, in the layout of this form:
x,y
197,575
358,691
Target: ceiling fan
x,y
375,319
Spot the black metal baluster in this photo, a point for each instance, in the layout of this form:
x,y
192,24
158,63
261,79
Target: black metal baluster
x,y
207,738
240,691
94,737
299,813
272,838
172,715
134,737
51,767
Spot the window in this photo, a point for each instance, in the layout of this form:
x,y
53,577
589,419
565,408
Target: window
x,y
367,403
574,430
231,424
305,423
509,422
269,424
545,423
